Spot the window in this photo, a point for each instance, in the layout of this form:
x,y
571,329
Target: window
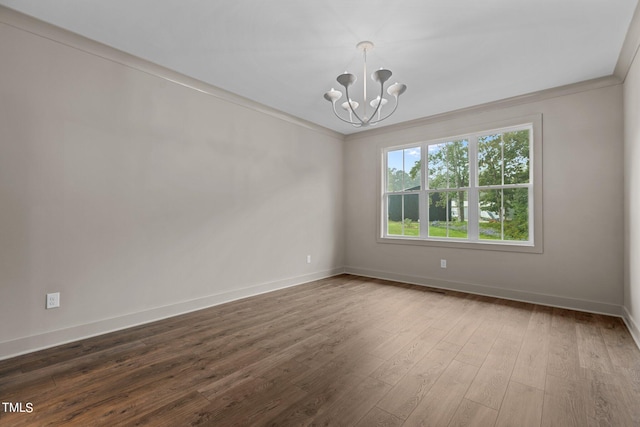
x,y
404,185
474,190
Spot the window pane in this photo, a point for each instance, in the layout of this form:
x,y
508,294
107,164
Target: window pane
x,y
459,212
403,169
516,157
403,215
437,166
412,168
446,218
490,221
395,171
457,163
411,217
490,160
516,214
394,215
449,164
438,217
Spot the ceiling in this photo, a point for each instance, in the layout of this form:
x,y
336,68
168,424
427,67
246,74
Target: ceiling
x,y
285,54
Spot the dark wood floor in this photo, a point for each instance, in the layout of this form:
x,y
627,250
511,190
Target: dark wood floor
x,y
341,351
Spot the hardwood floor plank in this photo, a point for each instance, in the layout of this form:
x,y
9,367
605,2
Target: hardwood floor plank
x,y
629,381
441,403
565,402
360,340
620,345
518,314
522,406
607,406
11,366
354,406
395,368
76,396
475,350
376,417
531,365
472,414
592,349
490,385
316,399
469,321
189,409
390,346
407,394
563,360
453,312
257,403
343,364
238,373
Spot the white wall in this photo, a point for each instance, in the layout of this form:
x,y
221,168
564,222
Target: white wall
x,y
138,198
582,261
632,198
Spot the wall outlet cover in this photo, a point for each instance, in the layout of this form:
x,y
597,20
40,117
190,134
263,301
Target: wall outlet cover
x,y
53,300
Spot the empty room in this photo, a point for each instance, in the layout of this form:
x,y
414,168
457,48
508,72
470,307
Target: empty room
x,y
326,213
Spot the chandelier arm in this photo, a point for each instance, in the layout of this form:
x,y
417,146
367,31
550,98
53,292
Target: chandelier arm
x,y
379,104
364,82
351,107
388,115
344,120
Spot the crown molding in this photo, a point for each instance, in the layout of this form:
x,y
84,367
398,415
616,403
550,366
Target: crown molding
x,y
67,38
493,105
629,47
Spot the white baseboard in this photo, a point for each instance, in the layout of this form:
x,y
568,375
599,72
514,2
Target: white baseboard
x,y
511,294
632,325
30,344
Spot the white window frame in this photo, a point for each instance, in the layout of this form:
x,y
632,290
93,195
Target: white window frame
x,y
534,186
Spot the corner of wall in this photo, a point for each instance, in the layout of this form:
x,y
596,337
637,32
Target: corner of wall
x,y
629,47
627,70
632,325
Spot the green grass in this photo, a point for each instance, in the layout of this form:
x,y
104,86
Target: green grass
x,y
512,231
488,231
413,229
441,231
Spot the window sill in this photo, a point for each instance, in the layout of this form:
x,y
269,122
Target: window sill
x,y
485,246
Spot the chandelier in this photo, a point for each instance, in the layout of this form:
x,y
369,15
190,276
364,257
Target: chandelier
x,y
379,76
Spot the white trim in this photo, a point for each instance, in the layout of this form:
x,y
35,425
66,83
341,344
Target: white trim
x,y
55,34
506,103
632,325
30,344
533,122
492,291
630,47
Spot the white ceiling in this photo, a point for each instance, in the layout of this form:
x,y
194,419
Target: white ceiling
x,y
286,53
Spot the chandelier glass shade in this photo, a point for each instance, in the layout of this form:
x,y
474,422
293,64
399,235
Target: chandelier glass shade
x,y
350,106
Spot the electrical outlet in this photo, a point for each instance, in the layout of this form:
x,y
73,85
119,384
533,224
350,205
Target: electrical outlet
x,y
443,263
308,259
53,300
